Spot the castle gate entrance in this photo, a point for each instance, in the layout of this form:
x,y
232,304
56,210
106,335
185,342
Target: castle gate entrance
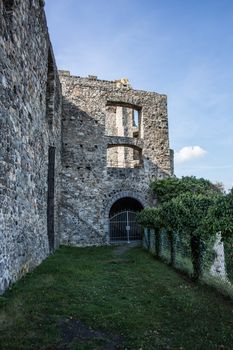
x,y
123,225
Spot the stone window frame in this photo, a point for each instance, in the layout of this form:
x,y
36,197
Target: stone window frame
x,y
132,106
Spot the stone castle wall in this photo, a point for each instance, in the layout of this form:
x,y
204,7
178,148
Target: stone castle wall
x,y
91,126
30,122
66,155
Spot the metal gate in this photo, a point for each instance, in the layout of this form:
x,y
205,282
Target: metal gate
x,y
124,227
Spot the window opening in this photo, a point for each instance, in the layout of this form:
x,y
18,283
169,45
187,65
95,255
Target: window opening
x,y
124,157
123,121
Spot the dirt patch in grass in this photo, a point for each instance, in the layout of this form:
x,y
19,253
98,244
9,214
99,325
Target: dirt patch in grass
x,y
123,248
120,261
76,331
119,252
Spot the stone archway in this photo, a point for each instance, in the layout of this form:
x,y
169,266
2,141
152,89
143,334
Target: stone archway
x,y
123,224
142,200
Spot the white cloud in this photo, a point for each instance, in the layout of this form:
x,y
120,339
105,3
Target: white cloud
x,y
188,153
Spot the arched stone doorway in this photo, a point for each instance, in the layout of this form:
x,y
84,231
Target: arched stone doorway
x,y
123,225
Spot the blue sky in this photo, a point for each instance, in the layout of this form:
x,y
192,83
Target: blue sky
x,y
181,48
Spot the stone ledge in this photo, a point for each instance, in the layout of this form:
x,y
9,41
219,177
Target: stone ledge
x,y
125,141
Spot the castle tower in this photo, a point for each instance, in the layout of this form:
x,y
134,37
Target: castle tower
x,y
115,142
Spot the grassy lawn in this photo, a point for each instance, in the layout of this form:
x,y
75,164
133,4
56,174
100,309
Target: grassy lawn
x,y
103,298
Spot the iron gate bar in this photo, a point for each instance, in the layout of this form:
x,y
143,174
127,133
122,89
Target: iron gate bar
x,y
124,227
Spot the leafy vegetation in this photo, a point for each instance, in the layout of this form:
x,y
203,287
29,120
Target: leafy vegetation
x,y
220,217
108,298
169,188
195,209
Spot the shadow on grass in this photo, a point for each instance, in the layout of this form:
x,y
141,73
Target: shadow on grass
x,y
91,298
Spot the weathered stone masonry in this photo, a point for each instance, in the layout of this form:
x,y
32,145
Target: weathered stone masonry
x,y
66,155
88,185
30,122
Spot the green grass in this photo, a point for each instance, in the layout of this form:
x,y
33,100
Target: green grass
x,y
92,298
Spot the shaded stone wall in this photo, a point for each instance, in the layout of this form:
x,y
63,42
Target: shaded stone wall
x,y
54,190
30,109
88,185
